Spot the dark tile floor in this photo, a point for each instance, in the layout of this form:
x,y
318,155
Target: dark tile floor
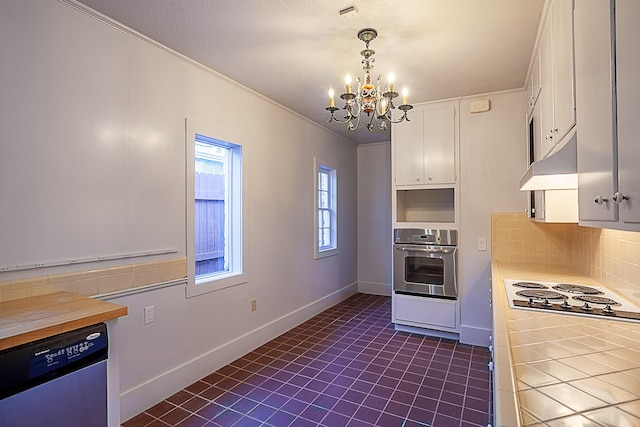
x,y
346,366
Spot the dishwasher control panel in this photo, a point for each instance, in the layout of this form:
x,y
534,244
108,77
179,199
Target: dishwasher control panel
x,y
39,361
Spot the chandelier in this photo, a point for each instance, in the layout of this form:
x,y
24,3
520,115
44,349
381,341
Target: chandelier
x,y
368,98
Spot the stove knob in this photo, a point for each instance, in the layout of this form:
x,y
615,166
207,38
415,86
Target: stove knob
x,y
607,309
546,303
586,306
530,302
565,304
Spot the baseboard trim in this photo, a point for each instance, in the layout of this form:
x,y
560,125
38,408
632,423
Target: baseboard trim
x,y
475,336
145,395
425,331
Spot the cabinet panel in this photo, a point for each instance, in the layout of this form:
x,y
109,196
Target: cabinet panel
x,y
426,311
556,56
628,94
424,148
408,146
439,146
563,73
595,100
533,83
546,92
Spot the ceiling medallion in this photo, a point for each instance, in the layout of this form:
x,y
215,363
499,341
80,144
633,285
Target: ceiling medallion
x,y
368,98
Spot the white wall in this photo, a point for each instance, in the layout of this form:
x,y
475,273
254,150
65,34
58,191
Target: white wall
x,y
374,218
92,162
492,160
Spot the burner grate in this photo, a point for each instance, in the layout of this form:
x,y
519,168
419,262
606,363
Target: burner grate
x,y
540,294
530,285
577,289
596,300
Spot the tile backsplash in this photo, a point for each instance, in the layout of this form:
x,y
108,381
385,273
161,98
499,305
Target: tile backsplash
x,y
97,281
610,257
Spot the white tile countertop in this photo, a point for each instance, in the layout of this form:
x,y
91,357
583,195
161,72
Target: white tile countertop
x,y
554,369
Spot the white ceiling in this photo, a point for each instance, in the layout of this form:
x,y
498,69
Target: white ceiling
x,y
292,51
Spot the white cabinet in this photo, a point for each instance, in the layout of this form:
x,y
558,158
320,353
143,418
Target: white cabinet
x,y
628,103
424,147
608,155
556,75
424,312
533,82
564,112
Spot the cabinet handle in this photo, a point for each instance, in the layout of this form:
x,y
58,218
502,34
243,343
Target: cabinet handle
x,y
490,366
430,179
600,200
618,197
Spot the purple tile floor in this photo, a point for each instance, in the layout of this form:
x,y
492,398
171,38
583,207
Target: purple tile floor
x,y
347,366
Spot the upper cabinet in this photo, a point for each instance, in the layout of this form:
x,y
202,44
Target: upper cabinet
x,y
424,147
555,64
424,167
628,109
533,83
608,108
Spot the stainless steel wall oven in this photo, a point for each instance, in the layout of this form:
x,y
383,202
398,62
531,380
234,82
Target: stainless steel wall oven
x,y
424,262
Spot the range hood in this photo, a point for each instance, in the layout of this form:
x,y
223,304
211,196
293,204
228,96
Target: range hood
x,y
558,171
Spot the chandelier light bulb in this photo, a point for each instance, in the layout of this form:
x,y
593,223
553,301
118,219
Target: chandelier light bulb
x,y
347,81
390,78
383,104
331,100
405,92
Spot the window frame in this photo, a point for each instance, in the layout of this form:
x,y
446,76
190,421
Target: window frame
x,y
236,195
325,167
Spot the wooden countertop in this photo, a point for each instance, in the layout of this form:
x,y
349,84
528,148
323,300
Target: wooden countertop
x,y
554,369
30,319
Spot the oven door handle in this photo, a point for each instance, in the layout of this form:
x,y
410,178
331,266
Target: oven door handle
x,y
428,250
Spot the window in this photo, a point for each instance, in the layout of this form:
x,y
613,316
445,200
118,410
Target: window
x,y
214,214
326,211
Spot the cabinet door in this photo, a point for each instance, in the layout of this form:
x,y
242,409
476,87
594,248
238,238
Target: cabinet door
x,y
594,102
439,146
546,82
628,94
534,89
563,82
408,150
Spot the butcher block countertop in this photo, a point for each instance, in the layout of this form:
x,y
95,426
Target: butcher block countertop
x,y
30,319
553,369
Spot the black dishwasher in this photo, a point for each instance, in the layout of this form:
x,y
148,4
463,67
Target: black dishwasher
x,y
56,381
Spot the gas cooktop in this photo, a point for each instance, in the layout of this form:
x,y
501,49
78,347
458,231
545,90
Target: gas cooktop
x,y
570,298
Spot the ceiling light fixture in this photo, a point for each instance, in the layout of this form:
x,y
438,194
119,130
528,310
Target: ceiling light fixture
x,y
368,99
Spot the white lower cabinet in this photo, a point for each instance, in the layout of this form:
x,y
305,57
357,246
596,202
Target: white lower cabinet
x,y
425,312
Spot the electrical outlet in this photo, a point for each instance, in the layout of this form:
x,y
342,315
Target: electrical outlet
x,y
149,314
254,305
482,244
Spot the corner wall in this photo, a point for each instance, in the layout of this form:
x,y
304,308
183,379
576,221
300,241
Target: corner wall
x,y
492,160
375,241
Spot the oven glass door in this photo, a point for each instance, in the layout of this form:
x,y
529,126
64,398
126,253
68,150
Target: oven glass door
x,y
425,270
